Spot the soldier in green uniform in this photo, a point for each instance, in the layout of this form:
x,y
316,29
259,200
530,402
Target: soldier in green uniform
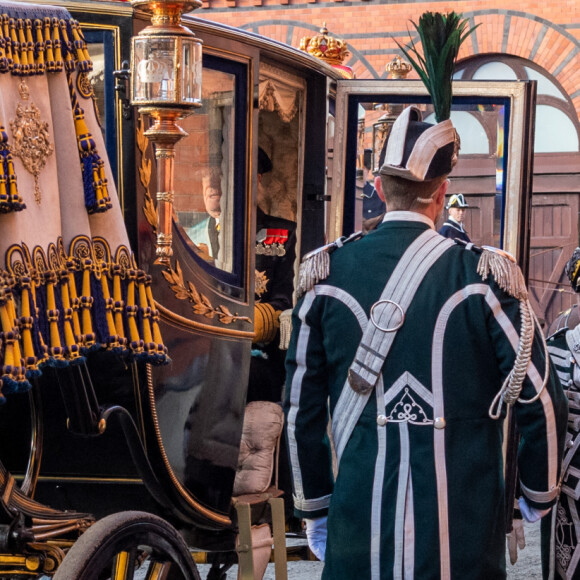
x,y
419,490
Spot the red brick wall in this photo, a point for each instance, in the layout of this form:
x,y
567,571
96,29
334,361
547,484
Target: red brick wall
x,y
547,33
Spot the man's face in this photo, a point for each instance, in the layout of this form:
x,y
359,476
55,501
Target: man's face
x,y
211,197
457,213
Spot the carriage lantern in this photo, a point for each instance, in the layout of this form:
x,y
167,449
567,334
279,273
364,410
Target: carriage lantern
x,y
397,69
166,64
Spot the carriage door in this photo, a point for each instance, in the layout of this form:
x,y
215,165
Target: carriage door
x,y
204,294
494,122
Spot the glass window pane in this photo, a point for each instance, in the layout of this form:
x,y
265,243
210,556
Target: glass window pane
x,y
97,78
495,71
478,174
554,131
204,172
473,137
545,87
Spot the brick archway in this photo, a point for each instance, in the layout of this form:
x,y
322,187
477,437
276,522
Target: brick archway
x,y
533,38
512,32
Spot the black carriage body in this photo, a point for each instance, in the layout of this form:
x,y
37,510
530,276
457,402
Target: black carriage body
x,y
172,434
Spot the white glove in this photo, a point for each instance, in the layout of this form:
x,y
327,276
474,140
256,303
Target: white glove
x,y
531,514
516,540
316,535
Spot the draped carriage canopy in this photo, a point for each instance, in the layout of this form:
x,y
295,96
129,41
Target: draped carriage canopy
x,y
69,282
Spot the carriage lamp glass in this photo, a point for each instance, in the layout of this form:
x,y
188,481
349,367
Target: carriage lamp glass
x,y
166,64
166,71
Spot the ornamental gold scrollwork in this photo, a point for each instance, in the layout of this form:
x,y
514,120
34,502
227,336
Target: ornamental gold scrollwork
x,y
145,171
201,303
31,138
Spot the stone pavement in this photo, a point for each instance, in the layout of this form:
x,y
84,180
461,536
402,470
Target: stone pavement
x,y
528,566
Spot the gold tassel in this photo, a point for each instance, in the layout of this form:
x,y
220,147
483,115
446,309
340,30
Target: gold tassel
x,y
40,64
131,308
50,60
101,183
15,51
146,310
154,317
56,45
84,60
8,45
109,303
118,304
72,346
4,199
12,189
9,369
505,271
20,371
26,320
23,48
74,300
35,282
3,42
30,47
86,304
52,314
69,63
12,369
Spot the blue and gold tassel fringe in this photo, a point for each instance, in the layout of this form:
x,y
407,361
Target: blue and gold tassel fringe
x,y
57,306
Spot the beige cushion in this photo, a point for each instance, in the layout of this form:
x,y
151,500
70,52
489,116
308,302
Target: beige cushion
x,y
263,423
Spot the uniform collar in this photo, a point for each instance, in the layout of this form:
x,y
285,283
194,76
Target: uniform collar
x,y
454,223
408,216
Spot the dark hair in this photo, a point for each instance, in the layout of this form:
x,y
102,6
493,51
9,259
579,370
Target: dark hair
x,y
264,162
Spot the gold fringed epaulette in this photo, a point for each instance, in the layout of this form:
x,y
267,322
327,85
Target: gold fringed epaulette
x,y
315,265
505,270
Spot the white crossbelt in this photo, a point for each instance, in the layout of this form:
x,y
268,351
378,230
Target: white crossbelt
x,y
380,333
387,314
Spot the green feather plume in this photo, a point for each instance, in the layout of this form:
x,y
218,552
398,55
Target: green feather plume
x,y
441,36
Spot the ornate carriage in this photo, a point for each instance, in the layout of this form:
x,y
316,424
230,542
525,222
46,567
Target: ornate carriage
x,y
124,377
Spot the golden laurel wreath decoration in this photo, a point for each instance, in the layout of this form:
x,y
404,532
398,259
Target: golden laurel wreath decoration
x,y
201,303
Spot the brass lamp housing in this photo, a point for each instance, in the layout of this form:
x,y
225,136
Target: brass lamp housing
x,y
166,65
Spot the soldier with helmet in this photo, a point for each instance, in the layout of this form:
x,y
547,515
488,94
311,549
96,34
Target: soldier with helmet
x,y
453,228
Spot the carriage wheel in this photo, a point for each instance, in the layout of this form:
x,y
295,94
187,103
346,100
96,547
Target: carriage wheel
x,y
129,546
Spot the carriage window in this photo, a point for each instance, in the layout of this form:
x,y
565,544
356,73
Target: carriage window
x,y
204,172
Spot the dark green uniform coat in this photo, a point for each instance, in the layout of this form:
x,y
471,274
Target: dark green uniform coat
x,y
411,500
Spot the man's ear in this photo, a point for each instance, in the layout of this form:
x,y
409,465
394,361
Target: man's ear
x,y
379,187
441,191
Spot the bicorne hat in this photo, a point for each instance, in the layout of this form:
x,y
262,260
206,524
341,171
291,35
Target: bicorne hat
x,y
419,151
457,200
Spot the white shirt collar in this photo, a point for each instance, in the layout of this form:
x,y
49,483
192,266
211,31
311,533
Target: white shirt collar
x,y
408,216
